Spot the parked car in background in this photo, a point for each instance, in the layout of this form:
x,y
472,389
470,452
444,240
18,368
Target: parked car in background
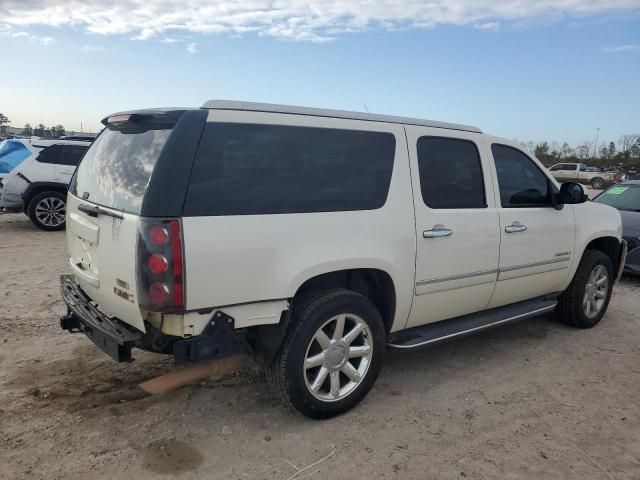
x,y
626,198
38,184
579,172
315,239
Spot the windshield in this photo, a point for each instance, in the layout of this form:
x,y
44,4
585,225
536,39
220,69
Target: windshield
x,y
622,197
116,169
12,154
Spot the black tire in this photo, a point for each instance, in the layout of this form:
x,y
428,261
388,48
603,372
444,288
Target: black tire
x,y
287,375
41,199
570,309
597,183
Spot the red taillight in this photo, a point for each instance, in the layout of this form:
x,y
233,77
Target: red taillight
x,y
157,263
158,293
158,235
161,283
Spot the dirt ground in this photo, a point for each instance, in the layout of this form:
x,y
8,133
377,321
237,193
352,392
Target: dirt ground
x,y
530,400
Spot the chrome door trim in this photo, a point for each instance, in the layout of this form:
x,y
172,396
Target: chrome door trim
x,y
462,276
535,264
456,277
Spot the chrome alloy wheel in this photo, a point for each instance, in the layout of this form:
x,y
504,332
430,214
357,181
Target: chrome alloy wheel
x,y
338,357
50,211
595,291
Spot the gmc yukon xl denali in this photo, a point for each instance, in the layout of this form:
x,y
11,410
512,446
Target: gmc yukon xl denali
x,y
316,239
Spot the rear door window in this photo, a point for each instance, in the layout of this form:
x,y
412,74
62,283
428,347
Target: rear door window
x,y
247,169
450,173
71,154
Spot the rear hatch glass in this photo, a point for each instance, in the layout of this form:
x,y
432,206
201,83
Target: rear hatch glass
x,y
115,171
113,176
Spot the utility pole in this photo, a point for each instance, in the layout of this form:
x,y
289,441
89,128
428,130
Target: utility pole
x,y
595,145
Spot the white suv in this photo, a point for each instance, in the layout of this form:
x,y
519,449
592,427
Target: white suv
x,y
316,239
37,184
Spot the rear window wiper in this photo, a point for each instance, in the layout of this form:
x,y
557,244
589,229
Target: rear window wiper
x,y
94,211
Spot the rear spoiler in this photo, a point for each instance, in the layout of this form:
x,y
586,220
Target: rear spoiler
x,y
153,119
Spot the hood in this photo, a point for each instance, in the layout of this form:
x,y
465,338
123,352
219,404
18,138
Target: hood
x,y
630,223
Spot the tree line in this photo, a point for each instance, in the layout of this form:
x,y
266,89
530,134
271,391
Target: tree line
x,y
625,151
39,130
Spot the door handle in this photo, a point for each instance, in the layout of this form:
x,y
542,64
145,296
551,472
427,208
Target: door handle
x,y
515,227
438,231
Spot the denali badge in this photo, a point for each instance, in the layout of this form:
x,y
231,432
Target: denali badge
x,y
123,293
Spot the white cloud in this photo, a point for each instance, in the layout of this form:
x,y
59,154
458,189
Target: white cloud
x,y
192,48
32,38
490,26
300,20
630,47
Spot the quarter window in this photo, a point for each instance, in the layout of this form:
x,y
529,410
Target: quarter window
x,y
50,154
450,173
247,169
521,182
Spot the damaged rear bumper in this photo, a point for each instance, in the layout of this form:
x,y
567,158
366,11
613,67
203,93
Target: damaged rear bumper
x,y
109,334
115,338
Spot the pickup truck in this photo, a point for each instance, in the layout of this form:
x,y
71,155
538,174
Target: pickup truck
x,y
317,239
579,172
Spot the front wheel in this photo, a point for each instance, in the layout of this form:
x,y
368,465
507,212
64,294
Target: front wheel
x,y
332,354
47,210
585,302
597,183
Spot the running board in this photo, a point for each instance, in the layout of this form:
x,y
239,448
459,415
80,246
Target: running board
x,y
454,327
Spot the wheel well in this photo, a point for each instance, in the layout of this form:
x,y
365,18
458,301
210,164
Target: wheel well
x,y
36,189
374,284
610,246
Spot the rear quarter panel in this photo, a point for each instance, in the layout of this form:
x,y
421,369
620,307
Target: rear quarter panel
x,y
238,259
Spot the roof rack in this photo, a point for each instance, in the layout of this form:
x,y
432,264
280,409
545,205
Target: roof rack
x,y
322,112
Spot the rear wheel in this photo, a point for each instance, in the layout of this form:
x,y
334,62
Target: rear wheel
x,y
597,183
332,354
47,210
585,302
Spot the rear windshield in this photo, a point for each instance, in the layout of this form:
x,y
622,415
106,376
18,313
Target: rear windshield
x,y
116,169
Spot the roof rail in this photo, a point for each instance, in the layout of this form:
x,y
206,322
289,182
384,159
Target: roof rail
x,y
322,112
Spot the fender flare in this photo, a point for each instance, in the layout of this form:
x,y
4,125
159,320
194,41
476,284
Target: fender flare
x,y
36,187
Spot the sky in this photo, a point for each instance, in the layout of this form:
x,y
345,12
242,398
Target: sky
x,y
530,70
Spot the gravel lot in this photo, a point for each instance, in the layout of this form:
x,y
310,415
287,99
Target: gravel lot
x,y
530,400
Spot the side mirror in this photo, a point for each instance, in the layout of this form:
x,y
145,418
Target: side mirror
x,y
572,193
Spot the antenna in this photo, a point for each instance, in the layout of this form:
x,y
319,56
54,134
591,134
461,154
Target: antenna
x,y
365,107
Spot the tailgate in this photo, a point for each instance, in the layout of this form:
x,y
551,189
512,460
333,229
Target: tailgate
x,y
102,255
